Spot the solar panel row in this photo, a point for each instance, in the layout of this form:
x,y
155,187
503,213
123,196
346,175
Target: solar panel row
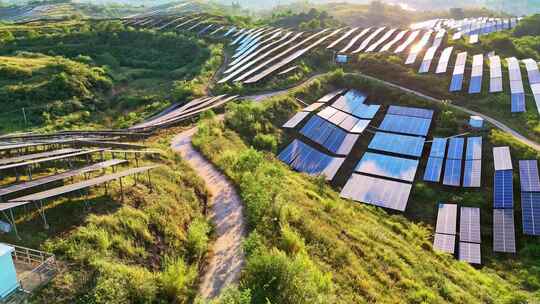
x,y
392,42
398,144
419,47
534,79
504,235
343,37
502,159
388,166
366,42
530,204
381,40
516,85
410,39
444,243
528,174
345,121
459,70
495,71
503,196
376,191
304,158
405,124
469,225
410,111
329,136
295,120
475,85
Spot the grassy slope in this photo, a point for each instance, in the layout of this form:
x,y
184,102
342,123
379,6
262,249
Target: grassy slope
x,y
371,254
147,249
148,71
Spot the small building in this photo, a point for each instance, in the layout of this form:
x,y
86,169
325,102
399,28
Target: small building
x,y
8,274
476,122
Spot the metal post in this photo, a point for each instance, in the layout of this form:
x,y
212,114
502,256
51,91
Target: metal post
x,y
14,224
24,115
29,169
149,181
122,189
42,213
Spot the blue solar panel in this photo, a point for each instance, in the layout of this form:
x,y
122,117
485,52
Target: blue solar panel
x,y
474,148
475,86
472,173
304,158
366,111
388,166
333,138
438,147
433,169
457,83
410,111
455,148
528,176
452,172
518,102
399,144
530,206
405,124
503,190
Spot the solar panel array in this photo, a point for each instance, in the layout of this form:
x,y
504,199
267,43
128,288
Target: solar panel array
x,y
328,135
495,75
445,230
452,169
530,196
435,160
418,47
469,235
401,169
304,158
516,85
444,59
534,79
459,71
473,163
504,235
475,85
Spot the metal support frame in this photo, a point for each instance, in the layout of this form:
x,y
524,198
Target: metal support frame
x,y
11,219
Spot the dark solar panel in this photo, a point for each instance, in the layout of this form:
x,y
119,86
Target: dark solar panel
x,y
410,111
438,147
455,148
376,191
503,190
469,225
504,235
452,172
472,173
444,243
330,136
446,219
433,169
399,144
530,210
388,166
470,253
405,124
304,158
528,175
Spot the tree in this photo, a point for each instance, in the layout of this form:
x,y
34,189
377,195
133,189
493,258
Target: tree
x,y
457,13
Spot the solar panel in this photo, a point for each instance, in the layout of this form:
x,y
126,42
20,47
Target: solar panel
x,y
354,40
446,219
516,85
360,126
501,158
392,42
472,173
312,107
428,58
329,136
474,148
452,172
532,70
412,37
398,144
444,243
470,253
327,112
469,225
474,39
376,191
385,37
387,166
455,148
528,175
438,147
295,120
289,58
504,235
495,74
433,169
419,47
405,124
530,210
304,158
343,37
459,70
330,96
503,190
366,42
410,111
475,85
52,158
22,158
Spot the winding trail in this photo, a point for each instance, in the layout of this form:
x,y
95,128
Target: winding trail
x,y
226,212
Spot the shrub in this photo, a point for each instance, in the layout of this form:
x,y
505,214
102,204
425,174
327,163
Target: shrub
x,y
197,239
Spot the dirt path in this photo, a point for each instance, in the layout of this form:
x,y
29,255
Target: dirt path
x,y
226,212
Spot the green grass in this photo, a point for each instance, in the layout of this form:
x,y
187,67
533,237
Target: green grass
x,y
370,254
147,249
